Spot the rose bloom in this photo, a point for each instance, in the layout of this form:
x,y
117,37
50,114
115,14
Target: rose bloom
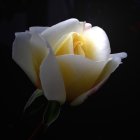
x,y
82,53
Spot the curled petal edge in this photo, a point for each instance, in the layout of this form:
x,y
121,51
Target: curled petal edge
x,y
113,63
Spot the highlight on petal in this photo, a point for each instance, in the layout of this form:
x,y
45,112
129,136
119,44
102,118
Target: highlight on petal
x,y
87,26
79,74
51,78
112,64
28,52
98,40
53,34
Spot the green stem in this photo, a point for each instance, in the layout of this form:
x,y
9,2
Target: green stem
x,y
37,131
51,113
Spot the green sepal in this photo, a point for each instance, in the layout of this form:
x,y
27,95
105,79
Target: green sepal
x,y
37,93
51,112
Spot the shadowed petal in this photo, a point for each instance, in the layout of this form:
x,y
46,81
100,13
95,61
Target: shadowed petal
x,y
51,79
37,29
28,52
111,66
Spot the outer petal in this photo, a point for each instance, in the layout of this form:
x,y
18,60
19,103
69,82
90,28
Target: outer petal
x,y
111,66
37,29
79,74
53,34
28,52
51,79
97,38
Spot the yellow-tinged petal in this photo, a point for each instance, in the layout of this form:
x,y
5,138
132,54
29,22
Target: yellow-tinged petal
x,y
53,34
64,45
79,74
113,62
28,52
79,51
74,43
97,43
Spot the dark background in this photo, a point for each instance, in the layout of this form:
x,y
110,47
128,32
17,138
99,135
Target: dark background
x,y
112,112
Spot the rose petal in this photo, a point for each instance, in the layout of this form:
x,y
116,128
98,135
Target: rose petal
x,y
37,29
28,52
111,66
51,78
79,74
121,55
87,26
97,38
64,45
53,34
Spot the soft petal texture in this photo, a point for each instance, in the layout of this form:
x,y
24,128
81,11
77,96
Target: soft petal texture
x,y
111,66
87,26
37,29
51,78
54,33
75,43
121,55
97,38
28,52
79,74
64,45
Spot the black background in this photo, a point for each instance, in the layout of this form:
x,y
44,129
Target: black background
x,y
112,112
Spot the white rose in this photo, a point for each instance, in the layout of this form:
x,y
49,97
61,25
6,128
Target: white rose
x,y
82,53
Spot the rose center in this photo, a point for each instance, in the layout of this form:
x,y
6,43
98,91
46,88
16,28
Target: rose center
x,y
78,44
